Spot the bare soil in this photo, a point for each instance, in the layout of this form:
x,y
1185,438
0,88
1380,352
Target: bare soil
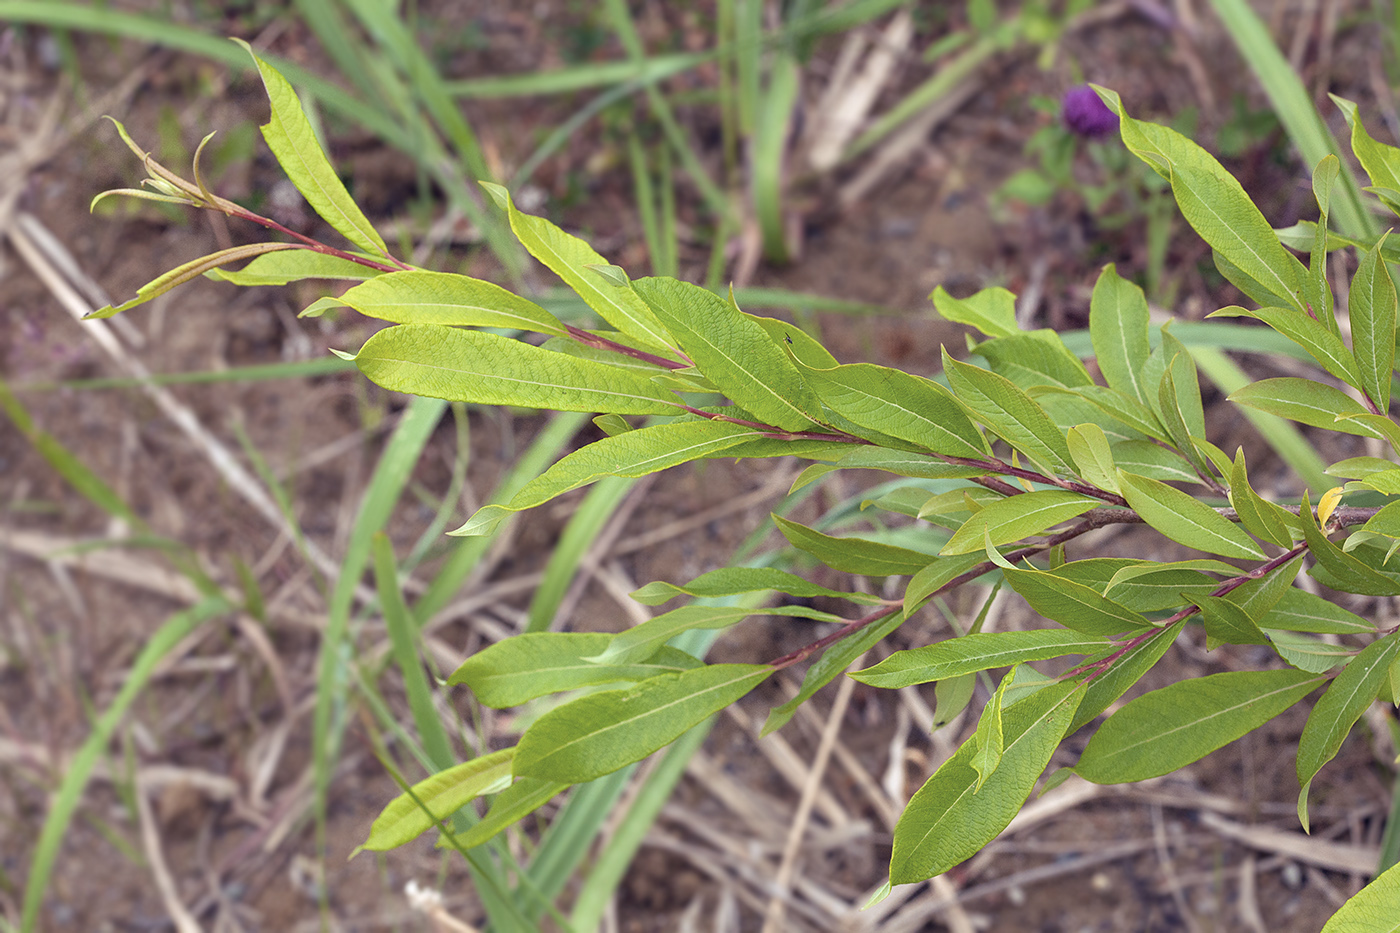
x,y
219,743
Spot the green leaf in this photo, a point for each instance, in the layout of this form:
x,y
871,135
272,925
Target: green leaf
x,y
1371,302
950,697
898,405
1185,519
947,822
992,310
1384,479
186,272
954,657
1144,458
989,737
1372,910
1300,611
1305,401
1155,586
569,258
1118,321
1009,413
890,461
1122,409
294,265
1128,668
1304,330
1185,721
732,581
734,353
1364,467
1216,206
1092,455
292,141
1259,516
602,732
1337,710
1381,162
833,661
1309,653
523,667
416,297
634,453
443,794
1074,605
472,366
1017,517
1340,570
935,576
1228,624
853,555
643,640
1259,596
1038,358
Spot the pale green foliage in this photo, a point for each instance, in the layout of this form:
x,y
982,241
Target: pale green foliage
x,y
998,470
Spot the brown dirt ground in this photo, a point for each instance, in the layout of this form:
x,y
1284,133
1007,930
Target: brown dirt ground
x,y
231,813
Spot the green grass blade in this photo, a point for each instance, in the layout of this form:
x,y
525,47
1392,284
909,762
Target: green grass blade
x,y
70,790
769,145
1295,110
65,464
333,682
570,836
402,631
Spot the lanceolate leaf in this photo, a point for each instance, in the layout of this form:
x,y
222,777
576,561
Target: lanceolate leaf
x,y
1381,162
190,270
1300,611
1118,326
1181,723
643,640
1010,413
1144,458
935,576
899,405
416,297
292,141
1038,358
1308,652
602,732
734,353
971,653
1323,345
1017,517
1185,519
293,265
903,464
1337,710
992,310
1372,305
1261,517
989,737
731,581
946,822
1339,569
1306,401
634,453
518,669
472,366
570,258
1093,457
403,820
853,555
1220,211
1074,605
1324,177
1227,623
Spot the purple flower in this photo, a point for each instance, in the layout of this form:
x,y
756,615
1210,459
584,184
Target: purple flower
x,y
1086,114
